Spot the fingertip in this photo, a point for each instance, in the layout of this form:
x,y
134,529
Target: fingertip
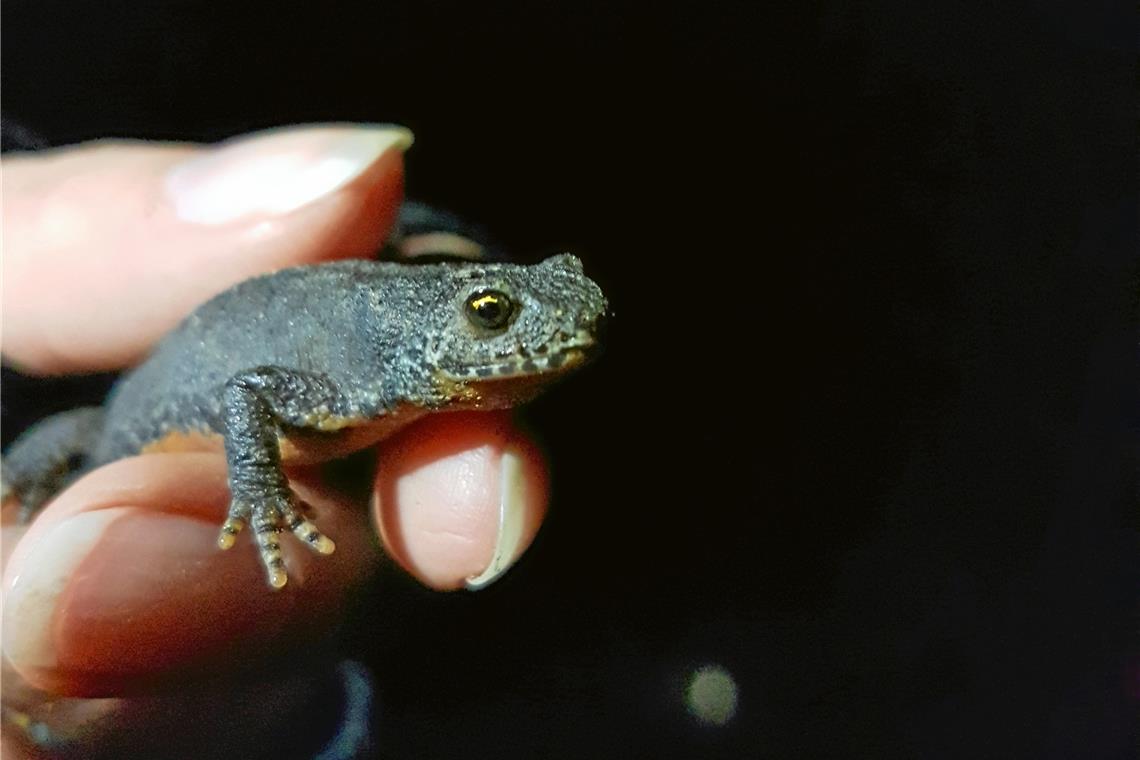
x,y
277,171
459,497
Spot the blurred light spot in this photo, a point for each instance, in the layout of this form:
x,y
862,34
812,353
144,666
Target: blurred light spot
x,y
711,696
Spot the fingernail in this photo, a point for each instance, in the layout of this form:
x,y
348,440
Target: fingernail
x,y
277,171
512,516
32,594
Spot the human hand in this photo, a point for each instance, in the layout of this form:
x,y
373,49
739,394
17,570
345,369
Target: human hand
x,y
117,589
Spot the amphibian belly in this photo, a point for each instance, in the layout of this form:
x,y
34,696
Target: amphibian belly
x,y
298,446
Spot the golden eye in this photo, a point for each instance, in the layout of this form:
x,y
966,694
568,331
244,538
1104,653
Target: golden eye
x,y
489,309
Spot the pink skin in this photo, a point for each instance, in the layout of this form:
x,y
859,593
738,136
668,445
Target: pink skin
x,y
148,600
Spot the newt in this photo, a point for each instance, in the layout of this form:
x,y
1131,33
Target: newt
x,y
315,362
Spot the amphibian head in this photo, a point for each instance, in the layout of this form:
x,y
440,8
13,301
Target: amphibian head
x,y
511,328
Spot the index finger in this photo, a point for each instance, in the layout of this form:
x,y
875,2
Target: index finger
x,y
108,245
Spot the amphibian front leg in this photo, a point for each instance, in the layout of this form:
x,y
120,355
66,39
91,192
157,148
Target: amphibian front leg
x,y
258,403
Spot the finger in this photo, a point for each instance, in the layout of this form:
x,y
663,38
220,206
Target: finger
x,y
108,245
119,587
459,497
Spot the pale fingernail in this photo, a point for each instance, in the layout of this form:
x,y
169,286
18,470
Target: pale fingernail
x,y
512,517
32,594
277,171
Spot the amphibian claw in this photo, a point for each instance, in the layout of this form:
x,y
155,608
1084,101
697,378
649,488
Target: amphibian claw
x,y
317,541
278,578
229,532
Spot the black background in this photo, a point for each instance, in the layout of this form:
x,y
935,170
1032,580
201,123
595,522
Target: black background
x,y
860,436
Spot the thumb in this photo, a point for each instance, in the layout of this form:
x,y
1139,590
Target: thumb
x,y
108,245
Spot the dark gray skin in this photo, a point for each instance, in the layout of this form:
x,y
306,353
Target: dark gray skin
x,y
315,362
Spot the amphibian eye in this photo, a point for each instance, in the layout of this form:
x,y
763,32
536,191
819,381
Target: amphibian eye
x,y
489,309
